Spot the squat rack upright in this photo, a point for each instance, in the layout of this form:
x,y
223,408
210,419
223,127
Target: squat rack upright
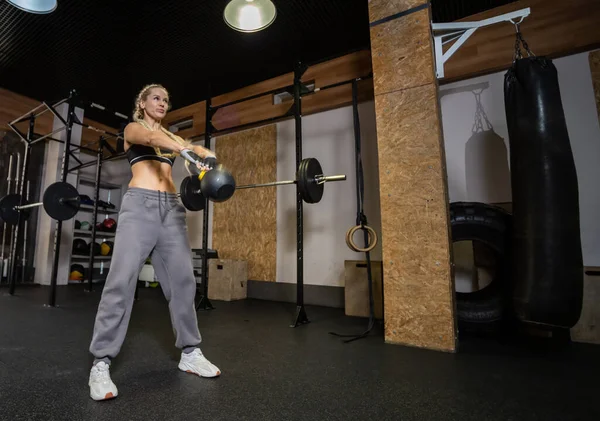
x,y
29,139
298,89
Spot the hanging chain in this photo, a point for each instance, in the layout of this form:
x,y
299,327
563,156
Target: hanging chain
x,y
518,54
525,45
480,115
520,40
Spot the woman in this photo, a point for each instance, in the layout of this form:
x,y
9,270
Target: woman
x,y
151,222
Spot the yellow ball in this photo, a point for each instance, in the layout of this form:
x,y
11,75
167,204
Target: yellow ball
x,y
75,276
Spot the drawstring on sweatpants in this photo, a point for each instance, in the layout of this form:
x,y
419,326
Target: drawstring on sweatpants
x,y
160,205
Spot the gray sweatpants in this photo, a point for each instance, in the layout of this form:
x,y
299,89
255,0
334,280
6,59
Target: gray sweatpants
x,y
150,222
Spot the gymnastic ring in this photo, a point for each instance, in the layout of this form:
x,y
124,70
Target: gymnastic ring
x,y
372,238
351,245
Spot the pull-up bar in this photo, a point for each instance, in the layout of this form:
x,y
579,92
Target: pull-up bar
x,y
103,108
27,116
35,112
88,126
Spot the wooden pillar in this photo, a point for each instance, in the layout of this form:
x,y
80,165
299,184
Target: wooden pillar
x,y
418,285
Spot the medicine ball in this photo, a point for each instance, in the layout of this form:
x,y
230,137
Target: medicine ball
x,y
106,248
77,267
80,247
86,200
217,184
96,247
110,225
85,225
77,224
77,272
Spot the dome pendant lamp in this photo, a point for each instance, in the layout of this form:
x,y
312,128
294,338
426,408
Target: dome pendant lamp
x,y
34,6
249,15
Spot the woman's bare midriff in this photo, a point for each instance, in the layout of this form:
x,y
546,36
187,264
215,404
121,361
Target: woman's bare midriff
x,y
152,175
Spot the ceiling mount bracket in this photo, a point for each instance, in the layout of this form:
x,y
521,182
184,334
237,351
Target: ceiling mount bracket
x,y
460,32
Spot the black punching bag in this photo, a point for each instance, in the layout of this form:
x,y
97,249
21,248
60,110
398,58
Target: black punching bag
x,y
547,257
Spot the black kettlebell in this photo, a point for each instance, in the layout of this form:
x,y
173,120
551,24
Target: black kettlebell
x,y
217,184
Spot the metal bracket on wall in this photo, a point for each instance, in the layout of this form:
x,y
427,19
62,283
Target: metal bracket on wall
x,y
460,32
35,113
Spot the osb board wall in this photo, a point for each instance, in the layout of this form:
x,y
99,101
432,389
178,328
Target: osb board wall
x,y
418,287
595,68
245,226
401,55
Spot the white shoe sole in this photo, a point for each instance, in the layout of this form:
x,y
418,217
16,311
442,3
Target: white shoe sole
x,y
188,368
106,396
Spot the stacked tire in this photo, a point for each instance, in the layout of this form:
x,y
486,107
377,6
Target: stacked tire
x,y
487,227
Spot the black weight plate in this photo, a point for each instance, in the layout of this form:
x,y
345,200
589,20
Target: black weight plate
x,y
61,201
191,200
314,190
301,179
8,213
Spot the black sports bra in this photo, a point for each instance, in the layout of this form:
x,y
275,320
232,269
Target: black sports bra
x,y
137,153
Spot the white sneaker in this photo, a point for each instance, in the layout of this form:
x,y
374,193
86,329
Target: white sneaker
x,y
101,386
196,363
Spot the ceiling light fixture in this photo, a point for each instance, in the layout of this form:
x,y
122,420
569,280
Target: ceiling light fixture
x,y
249,15
35,6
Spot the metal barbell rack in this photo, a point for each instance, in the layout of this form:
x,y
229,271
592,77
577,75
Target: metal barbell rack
x,y
29,139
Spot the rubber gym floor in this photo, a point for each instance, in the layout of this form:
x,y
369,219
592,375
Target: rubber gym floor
x,y
274,372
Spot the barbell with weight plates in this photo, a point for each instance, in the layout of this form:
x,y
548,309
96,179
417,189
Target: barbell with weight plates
x,y
191,196
218,185
61,202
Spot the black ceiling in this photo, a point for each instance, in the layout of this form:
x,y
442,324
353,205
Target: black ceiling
x,y
108,49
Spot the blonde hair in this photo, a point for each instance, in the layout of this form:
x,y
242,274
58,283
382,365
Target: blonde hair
x,y
138,117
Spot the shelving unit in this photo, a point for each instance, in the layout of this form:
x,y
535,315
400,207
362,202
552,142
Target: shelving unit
x,y
95,266
87,233
78,256
89,208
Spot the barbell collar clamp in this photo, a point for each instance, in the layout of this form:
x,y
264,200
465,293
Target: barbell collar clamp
x,y
322,178
195,192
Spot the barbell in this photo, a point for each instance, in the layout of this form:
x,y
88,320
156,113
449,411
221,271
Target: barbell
x,y
61,201
219,185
